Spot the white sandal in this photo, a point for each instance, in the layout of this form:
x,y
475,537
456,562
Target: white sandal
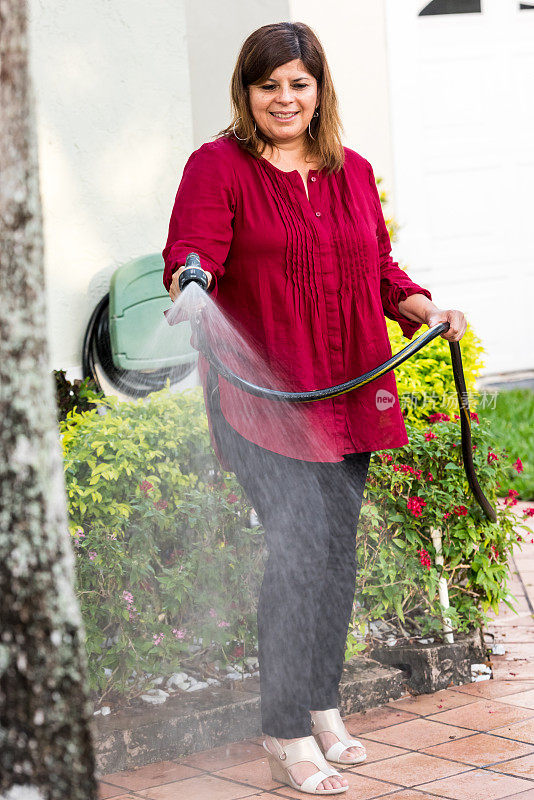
x,y
330,720
305,749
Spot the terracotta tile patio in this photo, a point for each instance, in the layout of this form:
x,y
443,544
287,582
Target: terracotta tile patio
x,y
470,742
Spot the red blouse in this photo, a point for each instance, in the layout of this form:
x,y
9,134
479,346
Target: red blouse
x,y
309,281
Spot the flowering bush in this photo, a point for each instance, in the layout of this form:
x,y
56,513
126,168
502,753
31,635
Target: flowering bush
x,y
415,489
167,567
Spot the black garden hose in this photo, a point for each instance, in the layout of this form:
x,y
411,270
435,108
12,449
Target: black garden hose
x,y
367,377
134,383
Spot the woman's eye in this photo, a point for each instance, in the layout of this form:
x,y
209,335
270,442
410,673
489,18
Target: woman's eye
x,y
269,86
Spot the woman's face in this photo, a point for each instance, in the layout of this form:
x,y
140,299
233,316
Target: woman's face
x,y
283,105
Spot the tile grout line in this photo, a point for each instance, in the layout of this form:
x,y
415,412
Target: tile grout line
x,y
525,592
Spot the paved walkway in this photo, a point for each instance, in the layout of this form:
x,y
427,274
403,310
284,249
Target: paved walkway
x,y
470,742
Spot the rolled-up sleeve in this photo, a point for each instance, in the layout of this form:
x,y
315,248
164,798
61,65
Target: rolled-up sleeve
x,y
202,216
395,284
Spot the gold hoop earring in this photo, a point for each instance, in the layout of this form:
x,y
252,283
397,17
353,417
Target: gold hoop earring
x,y
314,116
239,137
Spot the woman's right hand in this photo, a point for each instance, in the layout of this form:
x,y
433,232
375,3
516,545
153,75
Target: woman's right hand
x,y
174,289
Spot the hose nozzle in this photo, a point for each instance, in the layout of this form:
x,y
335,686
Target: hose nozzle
x,y
193,272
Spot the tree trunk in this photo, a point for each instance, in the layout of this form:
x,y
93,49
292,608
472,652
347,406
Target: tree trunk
x,y
45,741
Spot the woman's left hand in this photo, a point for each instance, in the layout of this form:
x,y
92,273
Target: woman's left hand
x,y
458,323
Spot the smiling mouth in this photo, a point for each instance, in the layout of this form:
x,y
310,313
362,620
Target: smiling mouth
x,y
284,114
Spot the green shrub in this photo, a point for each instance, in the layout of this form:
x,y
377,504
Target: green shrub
x,y
162,540
420,487
168,569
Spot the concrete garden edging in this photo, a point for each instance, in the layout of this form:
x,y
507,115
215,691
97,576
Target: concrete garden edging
x,y
215,716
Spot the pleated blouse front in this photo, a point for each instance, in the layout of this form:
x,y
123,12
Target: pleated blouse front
x,y
310,281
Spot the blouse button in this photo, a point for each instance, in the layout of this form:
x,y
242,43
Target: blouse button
x,y
317,213
313,179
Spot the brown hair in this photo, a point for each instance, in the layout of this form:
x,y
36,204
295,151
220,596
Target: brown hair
x,y
265,50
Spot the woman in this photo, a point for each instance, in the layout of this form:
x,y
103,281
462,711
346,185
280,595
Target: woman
x,y
288,225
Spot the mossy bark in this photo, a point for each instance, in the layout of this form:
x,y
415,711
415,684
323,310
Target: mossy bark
x,y
45,738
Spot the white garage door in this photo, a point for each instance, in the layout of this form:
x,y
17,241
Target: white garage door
x,y
462,104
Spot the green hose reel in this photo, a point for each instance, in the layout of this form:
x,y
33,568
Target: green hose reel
x,y
127,342
137,299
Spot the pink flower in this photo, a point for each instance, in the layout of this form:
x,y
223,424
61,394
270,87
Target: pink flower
x,y
213,613
223,624
92,555
79,536
518,465
429,476
447,514
429,435
128,599
460,511
232,498
158,638
178,633
145,487
161,504
528,512
415,505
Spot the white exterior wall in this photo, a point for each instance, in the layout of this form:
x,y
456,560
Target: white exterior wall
x,y
115,128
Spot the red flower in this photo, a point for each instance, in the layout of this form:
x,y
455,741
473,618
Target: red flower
x,y
429,435
439,417
495,552
429,476
492,457
511,500
232,498
474,416
238,651
145,487
528,512
415,505
424,558
518,465
161,504
456,416
447,514
460,511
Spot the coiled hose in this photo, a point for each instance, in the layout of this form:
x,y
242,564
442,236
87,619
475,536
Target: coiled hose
x,y
134,383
